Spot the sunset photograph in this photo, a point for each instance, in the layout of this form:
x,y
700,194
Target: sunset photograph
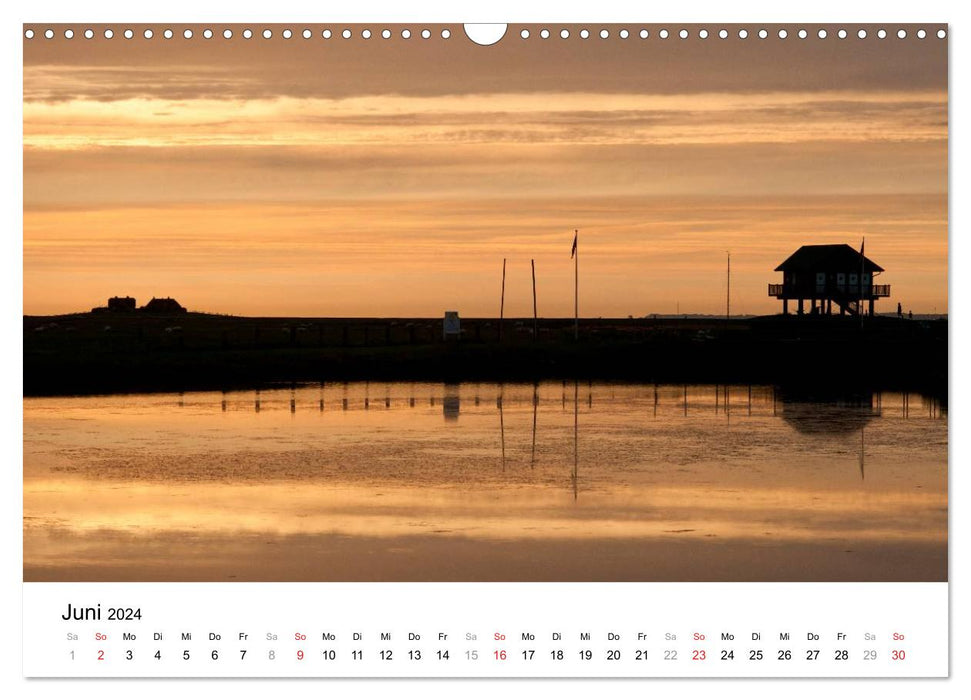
x,y
592,302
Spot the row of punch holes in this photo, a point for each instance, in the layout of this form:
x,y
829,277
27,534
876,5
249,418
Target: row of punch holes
x,y
524,33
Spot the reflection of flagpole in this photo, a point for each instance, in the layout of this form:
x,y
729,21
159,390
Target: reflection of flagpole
x,y
502,430
532,456
862,458
576,431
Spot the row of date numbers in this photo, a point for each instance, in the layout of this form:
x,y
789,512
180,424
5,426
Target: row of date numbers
x,y
528,655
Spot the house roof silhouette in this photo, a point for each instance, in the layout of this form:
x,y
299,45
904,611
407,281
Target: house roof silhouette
x,y
826,258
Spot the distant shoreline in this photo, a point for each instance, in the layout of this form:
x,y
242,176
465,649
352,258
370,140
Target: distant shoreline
x,y
102,353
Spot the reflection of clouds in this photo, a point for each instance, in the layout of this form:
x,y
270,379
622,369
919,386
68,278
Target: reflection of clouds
x,y
530,513
141,480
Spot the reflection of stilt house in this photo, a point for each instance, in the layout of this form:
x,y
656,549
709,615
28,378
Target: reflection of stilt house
x,y
826,275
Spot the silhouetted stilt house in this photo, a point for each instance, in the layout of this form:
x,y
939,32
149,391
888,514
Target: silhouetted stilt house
x,y
826,275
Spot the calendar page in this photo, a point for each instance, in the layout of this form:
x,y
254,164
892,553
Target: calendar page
x,y
551,349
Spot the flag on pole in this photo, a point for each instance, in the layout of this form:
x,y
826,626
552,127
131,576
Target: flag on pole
x,y
573,250
862,262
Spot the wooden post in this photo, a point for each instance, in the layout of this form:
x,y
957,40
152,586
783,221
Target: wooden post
x,y
728,288
502,298
532,264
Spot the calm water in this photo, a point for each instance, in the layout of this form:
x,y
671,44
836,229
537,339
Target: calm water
x,y
485,482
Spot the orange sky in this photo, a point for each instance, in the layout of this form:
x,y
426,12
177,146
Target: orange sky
x,y
390,177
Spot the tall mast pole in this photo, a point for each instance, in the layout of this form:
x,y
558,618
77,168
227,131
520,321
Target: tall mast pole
x,y
532,264
728,288
502,298
576,286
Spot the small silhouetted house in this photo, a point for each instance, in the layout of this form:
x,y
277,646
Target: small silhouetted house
x,y
125,304
165,306
828,274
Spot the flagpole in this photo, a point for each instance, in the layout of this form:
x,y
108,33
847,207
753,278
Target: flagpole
x,y
502,298
862,268
532,264
576,286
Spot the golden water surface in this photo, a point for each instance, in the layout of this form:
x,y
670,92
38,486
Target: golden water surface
x,y
476,482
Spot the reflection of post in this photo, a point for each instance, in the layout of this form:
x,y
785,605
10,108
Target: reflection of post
x,y
750,399
532,454
256,402
224,402
685,399
502,430
451,403
321,397
576,433
862,452
293,400
655,399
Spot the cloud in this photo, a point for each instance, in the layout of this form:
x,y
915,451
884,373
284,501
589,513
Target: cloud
x,y
353,172
549,117
258,69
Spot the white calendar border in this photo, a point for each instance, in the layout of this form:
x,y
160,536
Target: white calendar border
x,y
439,11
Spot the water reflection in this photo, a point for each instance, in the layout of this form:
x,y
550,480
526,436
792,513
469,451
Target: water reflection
x,y
451,402
849,413
862,454
728,474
